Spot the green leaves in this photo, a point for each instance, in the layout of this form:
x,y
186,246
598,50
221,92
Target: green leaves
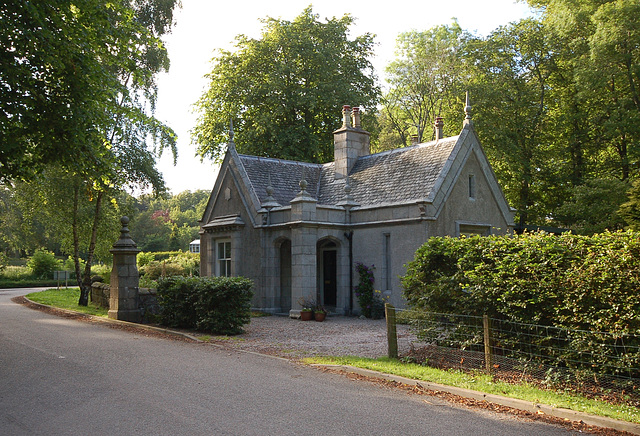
x,y
569,281
285,90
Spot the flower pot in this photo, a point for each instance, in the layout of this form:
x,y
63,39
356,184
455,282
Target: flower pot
x,y
320,316
306,315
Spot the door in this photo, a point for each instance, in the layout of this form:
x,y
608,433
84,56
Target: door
x,y
329,277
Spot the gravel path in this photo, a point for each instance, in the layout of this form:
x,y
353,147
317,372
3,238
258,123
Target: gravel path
x,y
336,336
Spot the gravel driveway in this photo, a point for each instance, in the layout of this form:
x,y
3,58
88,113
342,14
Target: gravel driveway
x,y
336,336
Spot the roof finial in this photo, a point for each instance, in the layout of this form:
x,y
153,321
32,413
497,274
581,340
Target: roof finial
x,y
231,134
303,183
270,202
467,111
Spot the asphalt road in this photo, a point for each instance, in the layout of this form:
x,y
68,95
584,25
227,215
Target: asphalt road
x,y
65,377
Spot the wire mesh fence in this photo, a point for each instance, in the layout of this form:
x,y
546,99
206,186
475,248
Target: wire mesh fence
x,y
597,364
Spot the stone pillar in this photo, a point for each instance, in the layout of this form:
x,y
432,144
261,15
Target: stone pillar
x,y
123,300
304,236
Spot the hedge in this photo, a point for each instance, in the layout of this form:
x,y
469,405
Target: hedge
x,y
576,282
211,304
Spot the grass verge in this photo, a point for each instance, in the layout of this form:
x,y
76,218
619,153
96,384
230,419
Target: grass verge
x,y
66,298
483,383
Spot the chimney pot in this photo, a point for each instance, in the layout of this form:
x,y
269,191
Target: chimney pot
x,y
346,116
439,125
356,117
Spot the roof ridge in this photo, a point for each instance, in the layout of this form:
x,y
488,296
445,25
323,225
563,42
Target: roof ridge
x,y
284,161
412,147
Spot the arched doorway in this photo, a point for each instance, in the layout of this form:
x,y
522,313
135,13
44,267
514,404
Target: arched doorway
x,y
328,273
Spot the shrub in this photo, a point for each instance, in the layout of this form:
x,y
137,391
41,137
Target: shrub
x,y
571,281
210,304
43,263
102,271
179,264
369,299
144,258
4,261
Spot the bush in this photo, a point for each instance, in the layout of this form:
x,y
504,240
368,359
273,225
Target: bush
x,y
210,304
144,258
571,281
568,281
179,264
43,263
4,261
369,299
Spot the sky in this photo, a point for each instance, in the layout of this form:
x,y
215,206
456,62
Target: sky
x,y
204,26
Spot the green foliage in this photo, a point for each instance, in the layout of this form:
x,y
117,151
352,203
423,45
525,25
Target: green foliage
x,y
66,298
43,263
425,81
631,209
176,264
211,304
369,299
284,91
145,258
570,281
4,261
78,77
584,284
485,383
593,207
168,222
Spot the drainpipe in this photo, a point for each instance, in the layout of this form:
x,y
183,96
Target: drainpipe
x,y
349,236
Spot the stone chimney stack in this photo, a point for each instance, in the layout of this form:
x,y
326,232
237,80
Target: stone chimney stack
x,y
349,142
439,126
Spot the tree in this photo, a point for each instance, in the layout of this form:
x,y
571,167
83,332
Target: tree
x,y
630,210
85,70
594,207
602,48
511,91
168,222
67,68
284,91
426,80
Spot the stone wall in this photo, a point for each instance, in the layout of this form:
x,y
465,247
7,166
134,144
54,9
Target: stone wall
x,y
147,299
100,294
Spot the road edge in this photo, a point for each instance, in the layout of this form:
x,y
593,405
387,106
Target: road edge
x,y
527,406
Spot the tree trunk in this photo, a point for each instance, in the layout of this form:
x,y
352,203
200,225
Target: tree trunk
x,y
85,284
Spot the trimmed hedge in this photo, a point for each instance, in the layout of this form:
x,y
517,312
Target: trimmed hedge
x,y
211,304
576,282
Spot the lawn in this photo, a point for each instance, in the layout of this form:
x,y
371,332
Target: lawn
x,y
66,298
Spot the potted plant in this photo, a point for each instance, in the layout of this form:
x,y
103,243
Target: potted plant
x,y
306,314
320,313
308,305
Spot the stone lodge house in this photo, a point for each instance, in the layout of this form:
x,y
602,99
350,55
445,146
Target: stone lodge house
x,y
298,229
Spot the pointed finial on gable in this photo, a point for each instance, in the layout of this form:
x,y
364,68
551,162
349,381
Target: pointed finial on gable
x,y
303,184
231,135
467,112
270,202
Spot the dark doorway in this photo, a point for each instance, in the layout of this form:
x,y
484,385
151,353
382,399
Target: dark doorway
x,y
329,277
285,275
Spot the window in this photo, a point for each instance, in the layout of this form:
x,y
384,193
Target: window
x,y
474,230
387,261
472,187
224,259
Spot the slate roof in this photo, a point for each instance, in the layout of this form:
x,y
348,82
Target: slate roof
x,y
391,177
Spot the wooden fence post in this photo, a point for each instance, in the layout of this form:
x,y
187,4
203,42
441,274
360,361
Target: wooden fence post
x,y
392,336
487,343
